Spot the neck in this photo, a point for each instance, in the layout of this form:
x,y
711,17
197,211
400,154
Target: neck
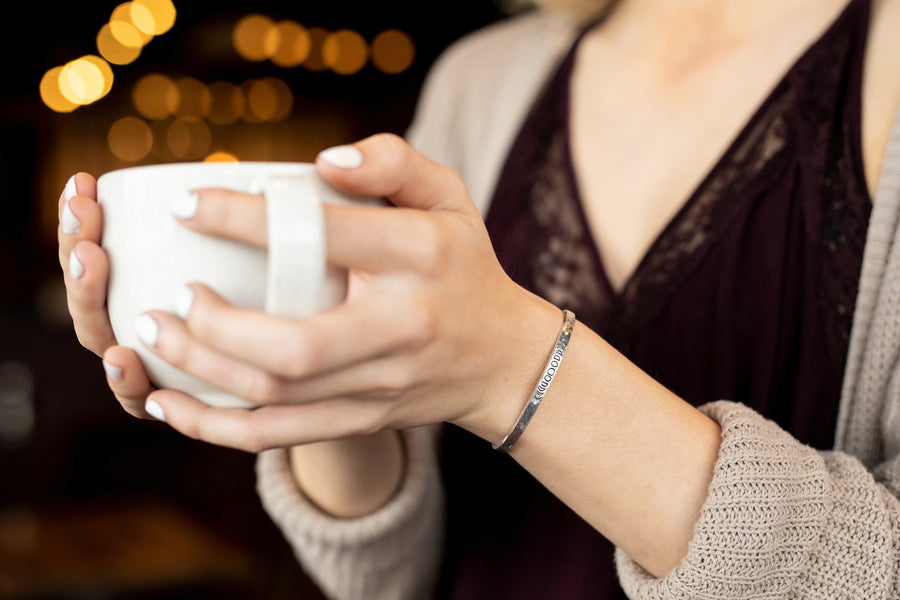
x,y
680,33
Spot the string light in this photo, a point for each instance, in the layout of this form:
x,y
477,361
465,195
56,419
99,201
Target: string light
x,y
287,44
119,41
178,110
345,52
130,139
393,51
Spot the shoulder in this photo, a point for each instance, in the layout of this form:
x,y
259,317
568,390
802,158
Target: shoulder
x,y
479,90
496,50
493,68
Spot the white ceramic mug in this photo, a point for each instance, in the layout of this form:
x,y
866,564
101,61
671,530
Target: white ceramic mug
x,y
151,255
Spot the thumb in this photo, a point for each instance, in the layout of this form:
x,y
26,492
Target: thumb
x,y
384,165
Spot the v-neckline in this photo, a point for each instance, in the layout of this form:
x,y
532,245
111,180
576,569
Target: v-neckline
x,y
617,296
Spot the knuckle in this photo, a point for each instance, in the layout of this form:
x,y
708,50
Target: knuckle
x,y
419,327
266,389
391,144
86,341
177,351
426,245
393,154
453,179
296,358
255,440
394,381
194,429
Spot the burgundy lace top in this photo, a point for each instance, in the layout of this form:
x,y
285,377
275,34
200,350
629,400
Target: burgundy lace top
x,y
747,295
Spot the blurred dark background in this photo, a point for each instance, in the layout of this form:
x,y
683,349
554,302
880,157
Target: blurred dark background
x,y
95,504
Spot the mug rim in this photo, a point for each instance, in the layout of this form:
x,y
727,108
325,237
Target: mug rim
x,y
230,165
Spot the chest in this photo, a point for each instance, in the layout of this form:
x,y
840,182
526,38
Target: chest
x,y
645,133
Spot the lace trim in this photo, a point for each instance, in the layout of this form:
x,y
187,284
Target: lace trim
x,y
566,269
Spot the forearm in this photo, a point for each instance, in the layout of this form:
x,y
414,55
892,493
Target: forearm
x,y
623,452
350,477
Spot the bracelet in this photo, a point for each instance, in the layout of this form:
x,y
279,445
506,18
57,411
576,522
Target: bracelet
x,y
562,342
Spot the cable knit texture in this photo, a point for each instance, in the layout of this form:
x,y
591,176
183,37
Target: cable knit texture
x,y
362,558
781,520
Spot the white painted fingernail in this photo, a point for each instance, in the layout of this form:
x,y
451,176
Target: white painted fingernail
x,y
184,206
147,329
76,269
184,298
70,224
345,157
155,410
71,190
112,371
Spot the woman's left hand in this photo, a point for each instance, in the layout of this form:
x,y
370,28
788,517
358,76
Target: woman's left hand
x,y
432,329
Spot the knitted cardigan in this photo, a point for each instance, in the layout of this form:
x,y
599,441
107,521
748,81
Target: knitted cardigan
x,y
781,520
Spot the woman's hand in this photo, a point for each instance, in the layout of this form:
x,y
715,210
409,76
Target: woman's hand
x,y
432,329
86,271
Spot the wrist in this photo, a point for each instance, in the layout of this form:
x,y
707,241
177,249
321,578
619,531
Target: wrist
x,y
350,477
517,368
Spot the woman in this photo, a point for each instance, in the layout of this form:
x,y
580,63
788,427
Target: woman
x,y
711,189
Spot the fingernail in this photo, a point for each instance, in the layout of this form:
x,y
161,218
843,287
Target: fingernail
x,y
71,190
112,371
155,410
184,298
76,269
345,157
147,329
70,224
184,206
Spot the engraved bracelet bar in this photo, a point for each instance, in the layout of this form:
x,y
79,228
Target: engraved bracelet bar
x,y
559,351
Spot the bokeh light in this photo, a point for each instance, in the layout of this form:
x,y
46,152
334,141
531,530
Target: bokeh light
x,y
268,99
105,71
162,14
155,96
52,95
315,61
344,52
123,28
193,98
119,41
130,139
189,138
221,156
393,51
293,44
255,37
113,50
227,103
85,80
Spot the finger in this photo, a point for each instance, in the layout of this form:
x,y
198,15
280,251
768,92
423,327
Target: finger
x,y
266,427
82,184
128,380
168,337
82,220
361,237
254,376
384,165
86,276
298,349
225,213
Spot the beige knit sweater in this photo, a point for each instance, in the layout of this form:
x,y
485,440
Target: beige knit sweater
x,y
781,520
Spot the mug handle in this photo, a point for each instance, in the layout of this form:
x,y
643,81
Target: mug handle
x,y
296,263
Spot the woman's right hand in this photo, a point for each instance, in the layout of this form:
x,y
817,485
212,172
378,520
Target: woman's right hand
x,y
86,273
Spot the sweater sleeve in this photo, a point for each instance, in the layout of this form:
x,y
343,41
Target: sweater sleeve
x,y
393,553
782,520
